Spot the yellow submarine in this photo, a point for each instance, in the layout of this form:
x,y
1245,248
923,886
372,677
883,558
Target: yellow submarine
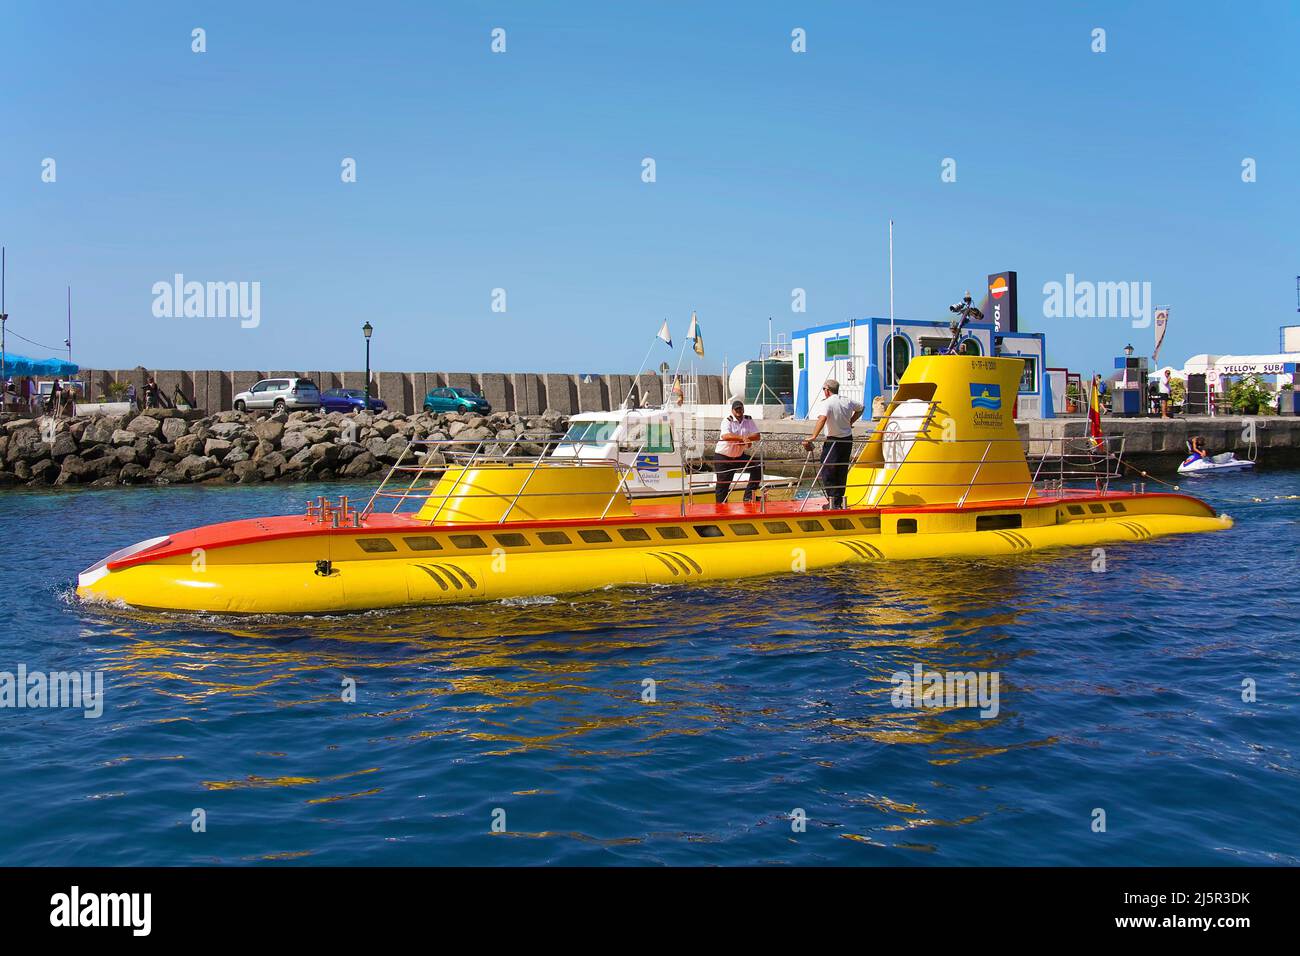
x,y
943,473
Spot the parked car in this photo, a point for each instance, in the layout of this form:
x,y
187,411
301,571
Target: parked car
x,y
278,394
456,400
349,400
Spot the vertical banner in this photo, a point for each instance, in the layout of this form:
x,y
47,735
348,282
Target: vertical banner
x,y
1162,323
1002,308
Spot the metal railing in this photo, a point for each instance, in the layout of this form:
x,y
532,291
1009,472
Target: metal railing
x,y
1055,463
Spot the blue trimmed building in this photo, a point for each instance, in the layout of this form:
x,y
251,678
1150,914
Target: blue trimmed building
x,y
858,355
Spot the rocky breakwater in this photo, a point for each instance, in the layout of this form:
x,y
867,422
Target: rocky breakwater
x,y
164,446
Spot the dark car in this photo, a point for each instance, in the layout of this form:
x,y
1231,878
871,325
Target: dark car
x,y
455,400
349,400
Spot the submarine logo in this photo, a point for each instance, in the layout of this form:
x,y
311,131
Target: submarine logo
x,y
986,396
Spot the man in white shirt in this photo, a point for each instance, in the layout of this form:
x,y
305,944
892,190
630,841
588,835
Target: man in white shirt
x,y
736,435
1165,387
836,414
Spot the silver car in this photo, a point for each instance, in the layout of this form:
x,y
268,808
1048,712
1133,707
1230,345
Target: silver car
x,y
279,393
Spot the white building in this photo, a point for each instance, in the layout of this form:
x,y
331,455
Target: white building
x,y
857,354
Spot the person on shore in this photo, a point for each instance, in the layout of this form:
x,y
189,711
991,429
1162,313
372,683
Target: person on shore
x,y
152,394
836,414
56,395
1165,386
736,435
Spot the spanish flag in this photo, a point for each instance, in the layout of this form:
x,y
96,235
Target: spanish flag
x,y
697,340
1094,416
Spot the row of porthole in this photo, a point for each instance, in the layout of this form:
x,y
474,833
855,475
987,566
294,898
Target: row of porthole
x,y
1097,509
514,539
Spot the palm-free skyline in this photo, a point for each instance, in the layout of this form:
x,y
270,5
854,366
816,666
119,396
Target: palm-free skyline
x,y
504,213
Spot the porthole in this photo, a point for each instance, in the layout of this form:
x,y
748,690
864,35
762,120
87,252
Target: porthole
x,y
996,522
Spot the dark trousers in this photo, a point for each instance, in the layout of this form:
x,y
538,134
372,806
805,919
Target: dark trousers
x,y
726,468
834,472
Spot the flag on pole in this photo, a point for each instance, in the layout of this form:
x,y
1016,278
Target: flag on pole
x,y
694,335
1094,416
1162,325
665,335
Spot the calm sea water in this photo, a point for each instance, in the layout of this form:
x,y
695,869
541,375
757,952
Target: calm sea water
x,y
1119,691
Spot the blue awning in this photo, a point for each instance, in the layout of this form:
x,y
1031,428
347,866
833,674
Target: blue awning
x,y
20,366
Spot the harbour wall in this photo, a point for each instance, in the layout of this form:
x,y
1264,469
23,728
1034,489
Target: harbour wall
x,y
525,393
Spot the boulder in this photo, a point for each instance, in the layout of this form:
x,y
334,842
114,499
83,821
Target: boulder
x,y
292,442
101,430
173,428
146,424
194,466
360,466
216,448
323,452
269,430
246,471
228,430
275,461
44,472
123,436
62,446
25,444
187,444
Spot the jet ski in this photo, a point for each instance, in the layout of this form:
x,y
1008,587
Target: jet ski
x,y
1228,461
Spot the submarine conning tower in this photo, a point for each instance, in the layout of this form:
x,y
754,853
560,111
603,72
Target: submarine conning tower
x,y
947,437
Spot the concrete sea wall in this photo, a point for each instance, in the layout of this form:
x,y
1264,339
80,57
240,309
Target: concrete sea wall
x,y
525,393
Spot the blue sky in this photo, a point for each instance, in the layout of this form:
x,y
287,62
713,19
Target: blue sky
x,y
522,171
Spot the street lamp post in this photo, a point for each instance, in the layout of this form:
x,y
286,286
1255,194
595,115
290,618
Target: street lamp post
x,y
366,330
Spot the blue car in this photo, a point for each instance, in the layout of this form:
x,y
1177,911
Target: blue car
x,y
349,400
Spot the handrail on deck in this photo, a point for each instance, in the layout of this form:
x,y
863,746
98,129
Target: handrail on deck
x,y
1089,461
